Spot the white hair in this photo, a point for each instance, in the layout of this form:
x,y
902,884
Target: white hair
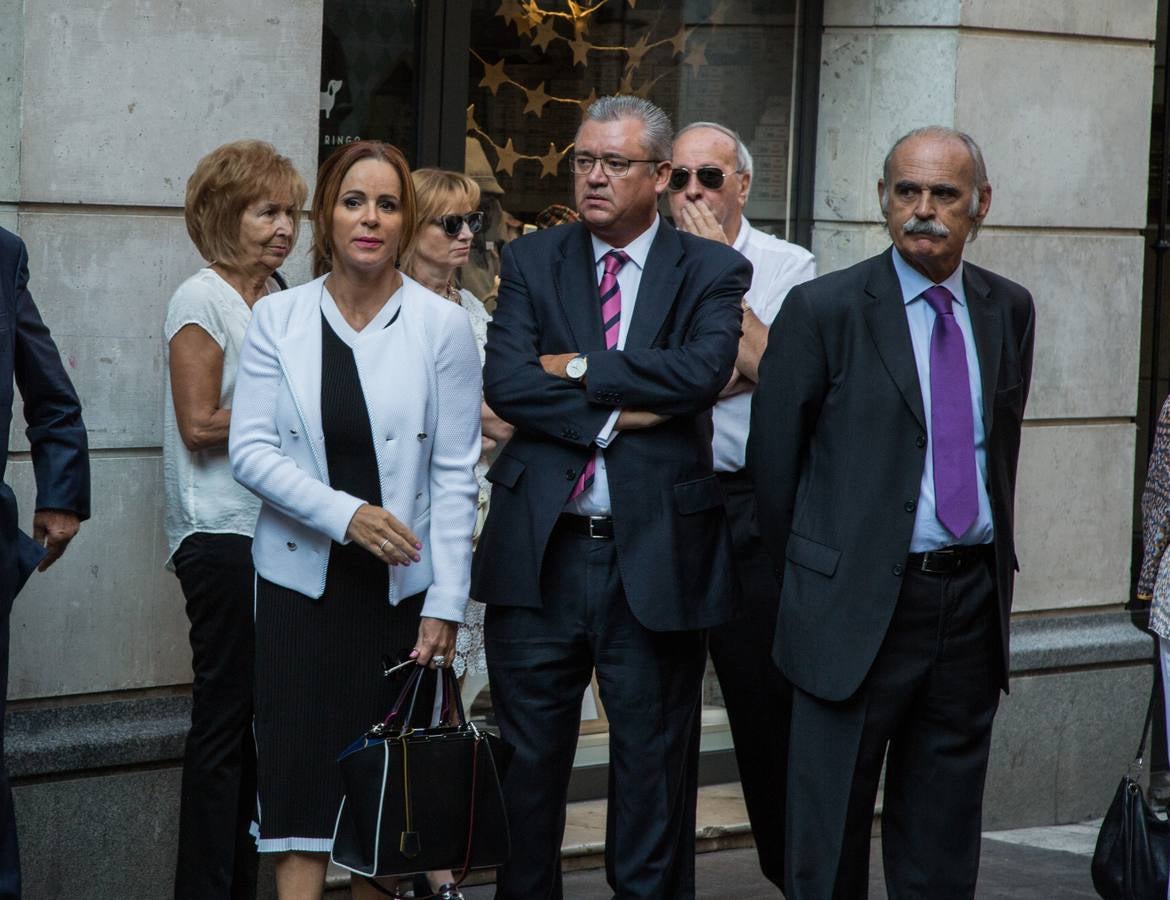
x,y
657,131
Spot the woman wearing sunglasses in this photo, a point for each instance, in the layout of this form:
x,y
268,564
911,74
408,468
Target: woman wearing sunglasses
x,y
446,219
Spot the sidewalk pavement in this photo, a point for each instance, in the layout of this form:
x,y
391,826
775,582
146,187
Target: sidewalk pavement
x,y
1025,864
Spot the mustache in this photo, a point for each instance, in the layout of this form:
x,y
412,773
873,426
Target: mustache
x,y
915,225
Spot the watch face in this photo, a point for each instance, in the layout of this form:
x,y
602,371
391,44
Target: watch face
x,y
576,367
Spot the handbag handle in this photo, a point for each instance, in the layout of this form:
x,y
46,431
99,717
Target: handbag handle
x,y
446,682
1139,757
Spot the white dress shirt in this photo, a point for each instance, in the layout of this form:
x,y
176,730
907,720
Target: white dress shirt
x,y
929,532
595,501
777,267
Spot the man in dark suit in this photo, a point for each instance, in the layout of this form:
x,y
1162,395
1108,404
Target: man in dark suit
x,y
59,454
885,435
606,547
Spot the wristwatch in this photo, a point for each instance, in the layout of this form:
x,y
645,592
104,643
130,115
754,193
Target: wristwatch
x,y
576,368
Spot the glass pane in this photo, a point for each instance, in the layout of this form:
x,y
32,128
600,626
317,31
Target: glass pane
x,y
534,65
369,74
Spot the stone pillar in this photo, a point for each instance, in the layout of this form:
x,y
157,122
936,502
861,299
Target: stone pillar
x,y
1058,94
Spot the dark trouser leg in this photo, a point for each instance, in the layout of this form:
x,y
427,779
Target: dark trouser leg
x,y
758,698
539,664
930,697
932,813
9,852
217,856
651,687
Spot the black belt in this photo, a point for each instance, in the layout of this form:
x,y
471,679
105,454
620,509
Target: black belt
x,y
949,559
600,528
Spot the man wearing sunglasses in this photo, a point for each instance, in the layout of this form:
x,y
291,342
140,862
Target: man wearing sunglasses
x,y
710,178
606,547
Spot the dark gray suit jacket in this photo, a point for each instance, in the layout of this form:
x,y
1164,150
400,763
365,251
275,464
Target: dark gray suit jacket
x,y
837,448
51,409
674,549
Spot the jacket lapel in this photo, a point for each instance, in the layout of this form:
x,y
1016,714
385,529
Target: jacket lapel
x,y
299,352
658,287
886,314
987,326
575,277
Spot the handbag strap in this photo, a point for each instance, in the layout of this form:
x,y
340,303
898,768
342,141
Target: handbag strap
x,y
1139,757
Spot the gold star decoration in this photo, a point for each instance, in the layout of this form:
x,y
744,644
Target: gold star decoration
x,y
537,98
507,157
510,11
644,90
696,57
588,101
627,85
679,41
636,53
546,32
551,160
580,48
533,14
719,13
493,76
472,125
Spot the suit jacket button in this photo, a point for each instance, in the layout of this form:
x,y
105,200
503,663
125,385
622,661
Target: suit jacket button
x,y
292,545
909,506
920,441
570,475
899,569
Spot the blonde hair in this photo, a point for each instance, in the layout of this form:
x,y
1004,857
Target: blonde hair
x,y
224,183
436,190
329,178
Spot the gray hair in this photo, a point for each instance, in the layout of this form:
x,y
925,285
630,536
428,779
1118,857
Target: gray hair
x,y
743,158
657,131
941,131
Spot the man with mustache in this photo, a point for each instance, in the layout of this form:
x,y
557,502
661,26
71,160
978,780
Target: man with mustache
x,y
885,435
606,547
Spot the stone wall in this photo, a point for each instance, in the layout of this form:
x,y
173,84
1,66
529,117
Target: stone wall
x,y
107,109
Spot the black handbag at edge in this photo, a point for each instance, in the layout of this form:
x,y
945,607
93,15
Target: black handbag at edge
x,y
421,799
1133,846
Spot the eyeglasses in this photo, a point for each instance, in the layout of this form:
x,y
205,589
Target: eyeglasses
x,y
453,223
617,166
709,177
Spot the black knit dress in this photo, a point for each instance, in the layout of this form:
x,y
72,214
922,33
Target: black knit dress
x,y
319,680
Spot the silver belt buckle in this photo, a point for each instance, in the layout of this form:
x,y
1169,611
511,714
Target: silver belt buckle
x,y
595,520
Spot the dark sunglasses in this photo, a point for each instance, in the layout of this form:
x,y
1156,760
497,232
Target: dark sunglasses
x,y
709,177
453,224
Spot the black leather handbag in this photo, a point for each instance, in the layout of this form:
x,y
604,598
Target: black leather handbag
x,y
421,799
1133,846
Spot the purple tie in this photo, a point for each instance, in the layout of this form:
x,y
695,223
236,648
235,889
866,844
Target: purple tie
x,y
952,428
611,324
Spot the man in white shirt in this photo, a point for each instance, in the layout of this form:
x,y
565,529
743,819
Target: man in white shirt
x,y
711,174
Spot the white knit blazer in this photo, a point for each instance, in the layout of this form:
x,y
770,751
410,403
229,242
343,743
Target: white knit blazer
x,y
422,383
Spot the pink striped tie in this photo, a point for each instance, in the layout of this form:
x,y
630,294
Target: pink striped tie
x,y
611,324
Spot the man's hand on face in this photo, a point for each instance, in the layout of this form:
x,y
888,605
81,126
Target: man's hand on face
x,y
696,218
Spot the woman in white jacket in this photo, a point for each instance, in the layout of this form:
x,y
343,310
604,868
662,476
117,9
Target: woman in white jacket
x,y
356,422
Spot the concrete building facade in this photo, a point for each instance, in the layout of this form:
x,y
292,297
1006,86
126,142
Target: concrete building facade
x,y
104,110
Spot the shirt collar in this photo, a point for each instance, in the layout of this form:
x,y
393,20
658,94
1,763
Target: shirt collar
x,y
637,249
913,282
741,239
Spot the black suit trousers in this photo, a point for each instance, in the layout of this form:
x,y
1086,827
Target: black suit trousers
x,y
217,854
926,706
540,662
757,697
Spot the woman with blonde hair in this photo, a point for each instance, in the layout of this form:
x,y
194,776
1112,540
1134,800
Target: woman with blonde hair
x,y
357,425
446,220
243,204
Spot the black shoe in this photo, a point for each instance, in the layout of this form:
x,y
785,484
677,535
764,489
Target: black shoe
x,y
449,891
